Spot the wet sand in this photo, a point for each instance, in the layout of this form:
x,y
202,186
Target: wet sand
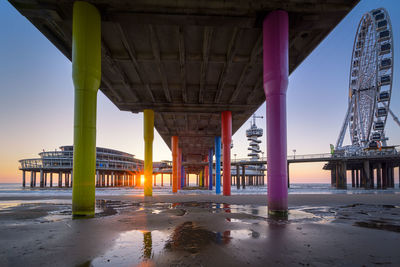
x,y
202,230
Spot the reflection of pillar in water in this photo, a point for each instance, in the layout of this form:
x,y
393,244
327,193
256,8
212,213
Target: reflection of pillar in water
x,y
227,209
147,245
227,237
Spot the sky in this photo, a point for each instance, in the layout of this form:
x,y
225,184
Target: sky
x,y
36,99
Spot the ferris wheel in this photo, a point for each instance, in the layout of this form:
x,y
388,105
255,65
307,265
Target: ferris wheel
x,y
370,83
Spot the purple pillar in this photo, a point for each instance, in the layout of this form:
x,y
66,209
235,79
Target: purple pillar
x,y
275,53
210,168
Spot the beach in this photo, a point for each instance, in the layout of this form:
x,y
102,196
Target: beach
x,y
202,230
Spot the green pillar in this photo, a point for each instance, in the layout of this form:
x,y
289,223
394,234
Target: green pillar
x,y
86,74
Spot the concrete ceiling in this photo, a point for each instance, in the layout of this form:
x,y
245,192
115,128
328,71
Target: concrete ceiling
x,y
188,60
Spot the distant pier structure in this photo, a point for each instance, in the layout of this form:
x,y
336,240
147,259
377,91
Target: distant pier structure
x,y
113,168
243,171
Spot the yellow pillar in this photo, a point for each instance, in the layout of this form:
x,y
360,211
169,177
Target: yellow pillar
x,y
86,74
201,178
148,128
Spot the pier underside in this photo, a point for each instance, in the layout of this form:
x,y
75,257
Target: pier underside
x,y
187,60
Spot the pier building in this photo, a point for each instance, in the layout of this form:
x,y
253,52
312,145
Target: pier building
x,y
113,168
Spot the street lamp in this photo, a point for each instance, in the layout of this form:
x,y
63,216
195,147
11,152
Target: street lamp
x,y
294,153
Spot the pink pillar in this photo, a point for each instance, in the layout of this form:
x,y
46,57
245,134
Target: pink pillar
x,y
206,173
226,134
179,167
275,52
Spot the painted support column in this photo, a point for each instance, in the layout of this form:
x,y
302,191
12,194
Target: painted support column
x,y
237,177
201,182
183,177
51,179
226,134
243,177
41,178
210,168
353,180
23,178
175,154
206,172
86,74
276,71
218,165
182,173
179,167
148,128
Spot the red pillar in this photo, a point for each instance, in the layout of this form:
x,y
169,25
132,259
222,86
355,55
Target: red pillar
x,y
276,71
175,154
226,134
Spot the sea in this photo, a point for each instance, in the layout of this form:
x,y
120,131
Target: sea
x,y
16,189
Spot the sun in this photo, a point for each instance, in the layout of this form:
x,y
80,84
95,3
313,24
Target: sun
x,y
142,179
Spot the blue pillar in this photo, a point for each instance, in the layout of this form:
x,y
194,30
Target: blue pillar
x,y
218,165
210,168
182,174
